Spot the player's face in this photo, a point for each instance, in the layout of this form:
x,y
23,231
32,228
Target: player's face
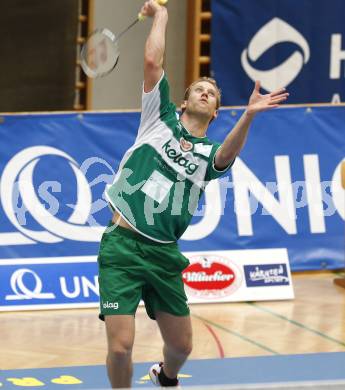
x,y
203,99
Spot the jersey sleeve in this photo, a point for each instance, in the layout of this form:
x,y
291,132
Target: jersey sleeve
x,y
212,172
156,105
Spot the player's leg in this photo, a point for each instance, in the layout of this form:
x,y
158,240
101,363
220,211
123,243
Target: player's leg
x,y
169,308
120,286
166,301
177,336
120,337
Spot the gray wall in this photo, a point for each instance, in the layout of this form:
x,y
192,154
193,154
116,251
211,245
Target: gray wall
x,y
122,88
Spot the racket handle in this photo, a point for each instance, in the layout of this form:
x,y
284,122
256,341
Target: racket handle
x,y
142,17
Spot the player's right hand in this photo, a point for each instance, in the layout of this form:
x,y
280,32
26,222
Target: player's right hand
x,y
150,8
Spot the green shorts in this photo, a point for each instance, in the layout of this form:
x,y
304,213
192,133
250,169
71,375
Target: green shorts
x,y
132,267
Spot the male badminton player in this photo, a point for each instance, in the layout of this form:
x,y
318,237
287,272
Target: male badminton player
x,y
154,195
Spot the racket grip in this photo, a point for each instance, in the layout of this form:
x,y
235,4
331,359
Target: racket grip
x,y
142,17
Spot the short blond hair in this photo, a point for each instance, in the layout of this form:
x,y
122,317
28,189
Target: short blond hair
x,y
209,80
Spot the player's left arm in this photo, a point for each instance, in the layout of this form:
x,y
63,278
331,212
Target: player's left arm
x,y
236,139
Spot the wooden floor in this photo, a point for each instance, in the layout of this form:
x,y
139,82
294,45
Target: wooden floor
x,y
313,322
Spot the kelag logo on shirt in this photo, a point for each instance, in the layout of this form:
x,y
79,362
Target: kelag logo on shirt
x,y
266,275
179,159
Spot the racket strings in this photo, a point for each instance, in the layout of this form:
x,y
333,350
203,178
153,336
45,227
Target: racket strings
x,y
100,54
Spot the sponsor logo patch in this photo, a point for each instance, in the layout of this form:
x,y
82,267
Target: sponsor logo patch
x,y
266,275
211,276
179,159
185,145
110,305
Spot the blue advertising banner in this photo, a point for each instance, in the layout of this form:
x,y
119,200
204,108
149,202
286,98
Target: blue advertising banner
x,y
266,274
297,44
284,191
40,282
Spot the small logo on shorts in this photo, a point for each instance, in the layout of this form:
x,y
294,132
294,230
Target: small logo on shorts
x,y
110,305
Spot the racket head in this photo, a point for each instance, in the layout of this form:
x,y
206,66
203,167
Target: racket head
x,y
100,53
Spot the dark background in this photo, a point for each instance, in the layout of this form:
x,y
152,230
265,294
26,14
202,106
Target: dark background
x,y
38,54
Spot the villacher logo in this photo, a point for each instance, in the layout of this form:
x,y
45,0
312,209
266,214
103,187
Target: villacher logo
x,y
211,277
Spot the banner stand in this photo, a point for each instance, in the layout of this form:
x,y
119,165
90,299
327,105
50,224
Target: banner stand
x,y
341,281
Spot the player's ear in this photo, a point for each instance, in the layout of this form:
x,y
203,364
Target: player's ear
x,y
183,105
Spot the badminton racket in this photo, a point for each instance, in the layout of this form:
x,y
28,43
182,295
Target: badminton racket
x,y
100,53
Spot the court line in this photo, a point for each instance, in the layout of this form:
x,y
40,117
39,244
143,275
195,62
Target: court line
x,y
296,323
267,349
216,339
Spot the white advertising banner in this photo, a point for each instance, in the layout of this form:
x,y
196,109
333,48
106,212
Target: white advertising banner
x,y
217,276
238,275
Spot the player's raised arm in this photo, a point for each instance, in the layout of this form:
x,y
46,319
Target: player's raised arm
x,y
235,141
155,43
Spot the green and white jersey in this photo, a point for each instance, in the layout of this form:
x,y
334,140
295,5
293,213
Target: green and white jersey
x,y
162,176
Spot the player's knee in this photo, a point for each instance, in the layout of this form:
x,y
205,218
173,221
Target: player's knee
x,y
183,348
120,351
187,349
